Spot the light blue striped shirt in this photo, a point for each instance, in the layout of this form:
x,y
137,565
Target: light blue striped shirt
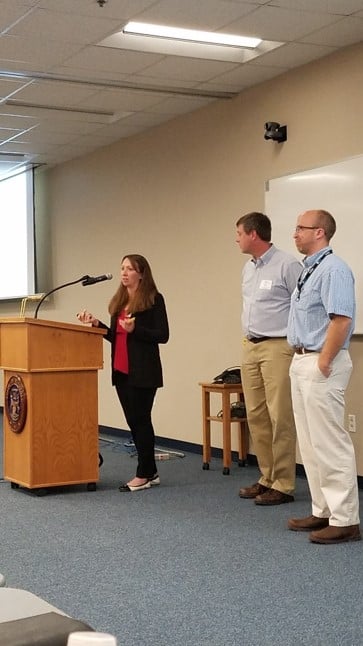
x,y
329,290
267,285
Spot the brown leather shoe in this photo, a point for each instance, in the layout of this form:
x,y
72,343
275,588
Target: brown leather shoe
x,y
307,524
273,497
253,491
331,535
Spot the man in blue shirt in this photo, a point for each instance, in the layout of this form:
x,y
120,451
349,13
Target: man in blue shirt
x,y
268,280
320,326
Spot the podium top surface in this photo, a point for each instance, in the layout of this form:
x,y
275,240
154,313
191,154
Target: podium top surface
x,y
58,324
37,345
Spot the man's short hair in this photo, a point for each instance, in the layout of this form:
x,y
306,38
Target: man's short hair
x,y
258,222
326,222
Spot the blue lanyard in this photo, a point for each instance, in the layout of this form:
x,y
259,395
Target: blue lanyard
x,y
305,275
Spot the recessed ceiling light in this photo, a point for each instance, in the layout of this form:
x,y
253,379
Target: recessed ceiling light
x,y
190,35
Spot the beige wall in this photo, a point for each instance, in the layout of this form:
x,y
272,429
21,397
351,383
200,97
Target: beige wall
x,y
174,195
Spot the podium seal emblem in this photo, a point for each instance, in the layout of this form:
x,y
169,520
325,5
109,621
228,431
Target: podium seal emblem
x,y
16,403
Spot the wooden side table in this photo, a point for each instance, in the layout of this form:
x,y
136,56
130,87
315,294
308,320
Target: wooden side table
x,y
225,390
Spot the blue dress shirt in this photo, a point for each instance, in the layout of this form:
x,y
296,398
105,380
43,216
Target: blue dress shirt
x,y
267,285
328,291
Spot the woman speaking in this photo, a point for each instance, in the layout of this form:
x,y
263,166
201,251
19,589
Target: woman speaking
x,y
138,324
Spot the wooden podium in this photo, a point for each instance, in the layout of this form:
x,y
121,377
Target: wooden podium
x,y
50,402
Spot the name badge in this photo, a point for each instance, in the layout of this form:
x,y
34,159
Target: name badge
x,y
265,284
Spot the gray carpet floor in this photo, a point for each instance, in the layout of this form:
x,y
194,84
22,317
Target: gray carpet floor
x,y
184,564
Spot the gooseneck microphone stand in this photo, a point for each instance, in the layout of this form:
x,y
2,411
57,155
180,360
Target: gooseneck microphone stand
x,y
73,282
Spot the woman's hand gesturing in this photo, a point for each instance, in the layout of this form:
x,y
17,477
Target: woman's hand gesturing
x,y
86,317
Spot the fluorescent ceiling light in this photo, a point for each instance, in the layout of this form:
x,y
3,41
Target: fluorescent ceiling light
x,y
191,35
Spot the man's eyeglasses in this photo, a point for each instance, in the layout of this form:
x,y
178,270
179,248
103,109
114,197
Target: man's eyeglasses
x,y
300,227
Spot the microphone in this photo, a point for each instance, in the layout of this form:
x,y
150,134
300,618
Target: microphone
x,y
91,280
85,280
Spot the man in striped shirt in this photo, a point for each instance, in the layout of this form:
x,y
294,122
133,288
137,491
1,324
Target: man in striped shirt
x,y
321,322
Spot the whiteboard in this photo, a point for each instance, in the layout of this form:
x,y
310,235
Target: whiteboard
x,y
337,188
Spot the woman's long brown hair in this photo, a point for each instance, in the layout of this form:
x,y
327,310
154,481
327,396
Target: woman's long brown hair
x,y
144,297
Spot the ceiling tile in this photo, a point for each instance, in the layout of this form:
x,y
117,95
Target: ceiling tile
x,y
39,51
203,14
147,119
56,92
11,11
8,133
16,122
153,81
293,55
87,75
49,56
273,23
178,105
113,9
250,74
75,127
340,7
22,147
346,32
63,27
111,60
42,135
119,129
122,100
187,69
9,86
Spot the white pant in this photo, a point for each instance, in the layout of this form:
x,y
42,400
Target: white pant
x,y
326,447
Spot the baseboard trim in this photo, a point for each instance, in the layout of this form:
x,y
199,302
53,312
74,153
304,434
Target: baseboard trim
x,y
165,442
169,443
190,447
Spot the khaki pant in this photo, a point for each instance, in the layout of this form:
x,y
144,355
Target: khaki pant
x,y
266,387
326,447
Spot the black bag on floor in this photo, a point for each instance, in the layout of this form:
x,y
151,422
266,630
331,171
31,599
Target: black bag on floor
x,y
238,410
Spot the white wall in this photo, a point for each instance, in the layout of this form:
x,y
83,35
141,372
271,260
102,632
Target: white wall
x,y
174,195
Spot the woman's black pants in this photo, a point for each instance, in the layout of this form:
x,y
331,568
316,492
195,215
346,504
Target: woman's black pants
x,y
137,404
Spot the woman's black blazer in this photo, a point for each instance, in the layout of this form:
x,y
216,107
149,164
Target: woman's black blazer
x,y
151,328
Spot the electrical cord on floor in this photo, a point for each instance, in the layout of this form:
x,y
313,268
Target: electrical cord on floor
x,y
160,452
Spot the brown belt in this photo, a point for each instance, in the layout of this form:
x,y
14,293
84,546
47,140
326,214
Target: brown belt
x,y
300,350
